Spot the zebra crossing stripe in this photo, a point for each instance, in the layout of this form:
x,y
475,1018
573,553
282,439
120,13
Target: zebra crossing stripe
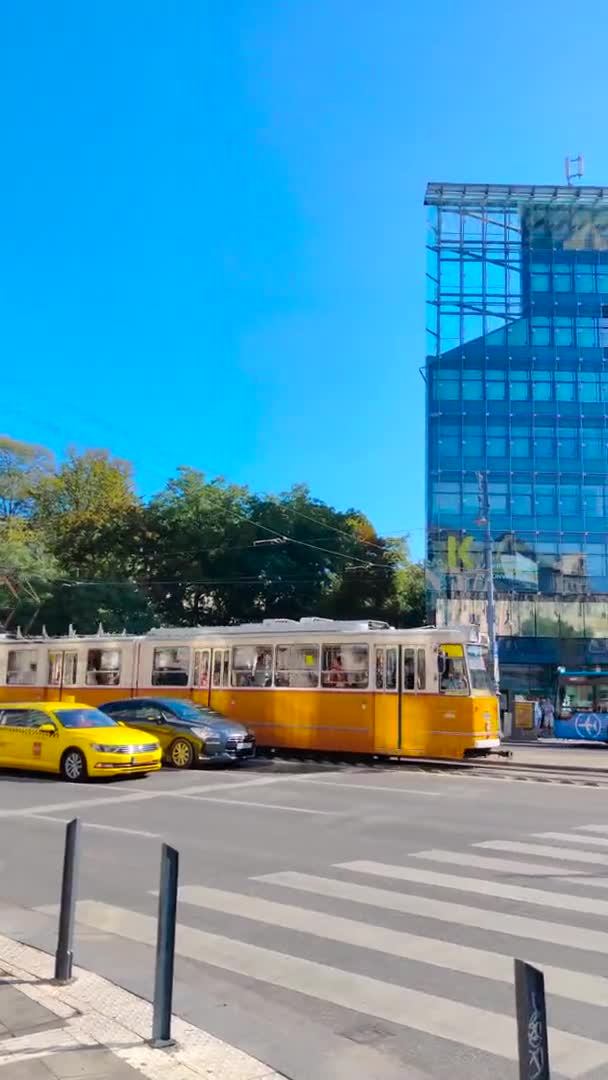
x,y
468,1025
590,989
575,937
585,905
572,838
500,866
545,851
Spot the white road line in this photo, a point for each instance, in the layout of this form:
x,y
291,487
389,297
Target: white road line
x,y
142,796
500,866
563,901
590,989
120,829
95,825
546,851
445,911
262,806
362,788
593,828
480,1029
47,817
572,838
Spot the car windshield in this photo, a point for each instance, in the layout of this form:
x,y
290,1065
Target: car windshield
x,y
185,711
84,718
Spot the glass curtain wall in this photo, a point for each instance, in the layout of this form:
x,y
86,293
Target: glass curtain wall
x,y
517,390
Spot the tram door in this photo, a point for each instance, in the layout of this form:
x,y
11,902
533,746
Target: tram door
x,y
387,699
414,716
63,668
201,675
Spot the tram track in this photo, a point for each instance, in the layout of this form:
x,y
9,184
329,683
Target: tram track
x,y
504,769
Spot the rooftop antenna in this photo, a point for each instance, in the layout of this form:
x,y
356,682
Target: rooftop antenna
x,y
575,168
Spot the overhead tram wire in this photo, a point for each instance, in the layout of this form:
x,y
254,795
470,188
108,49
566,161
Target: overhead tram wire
x,y
302,543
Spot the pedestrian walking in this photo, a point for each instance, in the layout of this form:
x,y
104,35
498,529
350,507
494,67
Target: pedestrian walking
x,y
548,710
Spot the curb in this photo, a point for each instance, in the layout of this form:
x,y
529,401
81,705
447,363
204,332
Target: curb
x,y
95,1012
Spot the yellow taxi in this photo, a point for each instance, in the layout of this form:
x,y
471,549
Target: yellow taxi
x,y
76,741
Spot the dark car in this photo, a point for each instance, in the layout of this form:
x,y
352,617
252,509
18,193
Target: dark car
x,y
187,732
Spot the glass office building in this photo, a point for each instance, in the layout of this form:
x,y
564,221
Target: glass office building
x,y
517,398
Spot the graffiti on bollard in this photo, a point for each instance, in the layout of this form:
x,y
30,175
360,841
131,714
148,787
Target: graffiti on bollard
x,y
531,1022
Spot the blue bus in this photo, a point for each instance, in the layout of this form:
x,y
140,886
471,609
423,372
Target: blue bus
x,y
582,705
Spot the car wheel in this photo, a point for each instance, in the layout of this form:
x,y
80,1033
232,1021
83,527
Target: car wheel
x,y
181,754
73,766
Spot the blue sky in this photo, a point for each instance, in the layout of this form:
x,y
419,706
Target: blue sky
x,y
211,221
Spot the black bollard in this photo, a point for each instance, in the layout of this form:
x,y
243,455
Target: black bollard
x,y
165,948
69,885
531,1022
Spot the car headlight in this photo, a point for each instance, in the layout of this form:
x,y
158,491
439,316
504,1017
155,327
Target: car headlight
x,y
101,749
205,733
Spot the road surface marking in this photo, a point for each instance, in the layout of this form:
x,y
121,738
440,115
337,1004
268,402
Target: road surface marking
x,y
262,806
445,911
592,828
571,838
500,866
484,887
595,882
590,989
362,788
95,825
546,851
142,796
468,1025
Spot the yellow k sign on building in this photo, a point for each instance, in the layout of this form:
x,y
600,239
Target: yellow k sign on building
x,y
459,557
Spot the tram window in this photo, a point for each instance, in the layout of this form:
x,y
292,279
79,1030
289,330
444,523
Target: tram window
x,y
578,696
409,669
391,669
171,667
421,670
226,668
103,667
55,659
452,670
21,667
601,696
63,668
297,666
217,669
380,662
200,676
252,665
345,667
70,668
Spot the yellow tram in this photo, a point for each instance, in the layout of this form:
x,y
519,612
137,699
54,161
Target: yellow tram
x,y
315,684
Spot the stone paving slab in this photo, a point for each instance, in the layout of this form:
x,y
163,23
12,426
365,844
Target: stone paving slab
x,y
20,1015
93,1030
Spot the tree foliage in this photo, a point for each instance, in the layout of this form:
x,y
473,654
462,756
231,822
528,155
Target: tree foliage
x,y
202,551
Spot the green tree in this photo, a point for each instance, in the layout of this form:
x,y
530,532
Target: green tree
x,y
218,554
22,467
196,535
93,524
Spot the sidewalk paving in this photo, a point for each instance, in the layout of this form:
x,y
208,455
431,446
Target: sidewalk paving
x,y
93,1030
558,754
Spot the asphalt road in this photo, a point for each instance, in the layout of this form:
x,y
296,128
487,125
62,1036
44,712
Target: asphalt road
x,y
345,922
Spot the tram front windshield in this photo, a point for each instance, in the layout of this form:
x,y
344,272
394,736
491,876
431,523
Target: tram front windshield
x,y
582,693
478,658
